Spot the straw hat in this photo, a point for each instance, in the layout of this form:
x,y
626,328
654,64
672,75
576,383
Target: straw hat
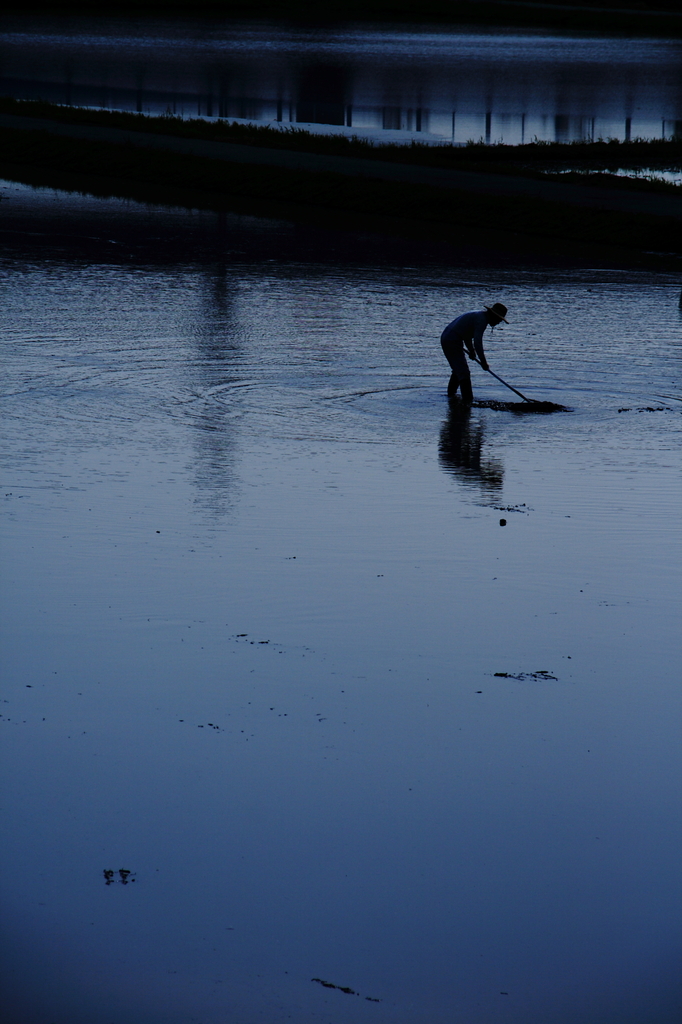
x,y
499,310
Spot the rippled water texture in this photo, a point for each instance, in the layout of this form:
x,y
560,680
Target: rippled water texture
x,y
388,84
268,647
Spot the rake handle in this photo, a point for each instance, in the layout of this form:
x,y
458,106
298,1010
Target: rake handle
x,y
531,400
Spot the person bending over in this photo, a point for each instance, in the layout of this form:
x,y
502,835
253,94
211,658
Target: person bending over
x,y
468,330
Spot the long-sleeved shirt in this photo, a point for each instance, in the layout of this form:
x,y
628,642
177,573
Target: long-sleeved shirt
x,y
467,329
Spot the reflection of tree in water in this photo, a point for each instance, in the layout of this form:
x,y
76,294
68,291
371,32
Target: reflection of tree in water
x,y
217,373
461,450
322,94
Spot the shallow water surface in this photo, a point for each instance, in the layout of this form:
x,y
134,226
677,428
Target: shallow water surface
x,y
268,647
388,83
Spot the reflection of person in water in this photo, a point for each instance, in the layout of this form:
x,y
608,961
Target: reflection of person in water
x,y
460,451
468,330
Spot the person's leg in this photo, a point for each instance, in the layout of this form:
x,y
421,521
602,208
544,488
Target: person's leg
x,y
460,378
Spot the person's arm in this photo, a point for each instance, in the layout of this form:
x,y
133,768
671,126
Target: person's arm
x,y
478,342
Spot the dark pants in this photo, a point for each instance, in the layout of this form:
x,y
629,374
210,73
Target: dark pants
x,y
461,378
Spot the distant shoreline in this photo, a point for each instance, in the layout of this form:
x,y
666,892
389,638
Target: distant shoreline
x,y
453,191
542,160
614,17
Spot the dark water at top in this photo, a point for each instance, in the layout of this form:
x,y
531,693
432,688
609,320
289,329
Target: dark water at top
x,y
389,84
266,645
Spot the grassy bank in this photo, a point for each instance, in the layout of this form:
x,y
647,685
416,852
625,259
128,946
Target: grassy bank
x,y
535,159
151,175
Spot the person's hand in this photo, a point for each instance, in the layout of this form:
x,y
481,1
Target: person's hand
x,y
472,356
485,366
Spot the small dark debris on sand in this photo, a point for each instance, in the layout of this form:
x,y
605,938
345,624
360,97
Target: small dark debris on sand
x,y
521,407
330,984
123,873
343,988
523,508
542,674
647,408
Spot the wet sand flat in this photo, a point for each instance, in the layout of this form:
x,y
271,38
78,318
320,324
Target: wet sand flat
x,y
324,700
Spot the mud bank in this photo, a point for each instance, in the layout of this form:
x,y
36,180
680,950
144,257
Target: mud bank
x,y
536,159
215,175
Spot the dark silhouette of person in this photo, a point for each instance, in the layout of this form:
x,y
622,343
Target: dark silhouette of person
x,y
461,450
468,330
